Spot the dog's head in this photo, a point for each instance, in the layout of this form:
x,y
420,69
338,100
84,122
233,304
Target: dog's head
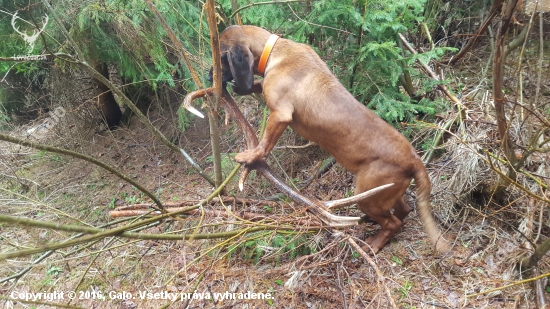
x,y
237,60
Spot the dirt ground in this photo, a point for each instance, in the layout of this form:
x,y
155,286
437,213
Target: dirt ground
x,y
305,268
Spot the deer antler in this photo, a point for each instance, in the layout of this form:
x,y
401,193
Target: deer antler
x,y
356,198
317,207
195,95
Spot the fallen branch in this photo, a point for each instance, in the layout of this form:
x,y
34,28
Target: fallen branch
x,y
121,230
84,157
224,199
122,233
244,215
21,273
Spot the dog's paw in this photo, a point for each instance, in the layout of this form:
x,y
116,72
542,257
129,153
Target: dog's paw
x,y
249,157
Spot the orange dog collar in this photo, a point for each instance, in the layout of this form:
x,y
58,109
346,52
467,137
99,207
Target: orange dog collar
x,y
265,54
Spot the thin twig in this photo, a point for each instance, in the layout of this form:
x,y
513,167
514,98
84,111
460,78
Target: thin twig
x,y
318,25
380,277
21,273
541,59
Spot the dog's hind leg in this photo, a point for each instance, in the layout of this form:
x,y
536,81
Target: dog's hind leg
x,y
401,209
379,207
389,224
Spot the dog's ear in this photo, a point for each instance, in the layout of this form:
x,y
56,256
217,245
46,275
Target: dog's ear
x,y
241,62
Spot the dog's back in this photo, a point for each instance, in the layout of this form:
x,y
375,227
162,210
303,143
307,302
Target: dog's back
x,y
327,114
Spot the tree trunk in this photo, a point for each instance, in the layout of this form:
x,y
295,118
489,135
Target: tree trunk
x,y
214,103
499,100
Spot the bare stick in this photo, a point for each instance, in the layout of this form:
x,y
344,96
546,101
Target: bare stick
x,y
508,286
379,275
21,273
217,85
499,100
184,54
261,3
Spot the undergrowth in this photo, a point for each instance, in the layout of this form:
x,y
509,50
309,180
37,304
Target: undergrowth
x,y
273,246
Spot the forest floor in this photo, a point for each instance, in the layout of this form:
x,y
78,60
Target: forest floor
x,y
303,269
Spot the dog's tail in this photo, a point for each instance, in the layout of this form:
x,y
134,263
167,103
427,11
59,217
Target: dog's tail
x,y
423,201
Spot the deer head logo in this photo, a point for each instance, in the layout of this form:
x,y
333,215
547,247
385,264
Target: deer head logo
x,y
30,39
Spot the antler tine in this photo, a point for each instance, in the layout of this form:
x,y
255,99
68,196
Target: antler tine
x,y
356,198
242,179
232,109
315,206
249,135
195,95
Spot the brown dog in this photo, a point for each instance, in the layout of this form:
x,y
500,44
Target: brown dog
x,y
301,92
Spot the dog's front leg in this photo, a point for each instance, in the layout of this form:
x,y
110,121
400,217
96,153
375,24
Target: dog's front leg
x,y
276,125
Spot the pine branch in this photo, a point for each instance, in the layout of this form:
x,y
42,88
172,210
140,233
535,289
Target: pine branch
x,y
263,3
